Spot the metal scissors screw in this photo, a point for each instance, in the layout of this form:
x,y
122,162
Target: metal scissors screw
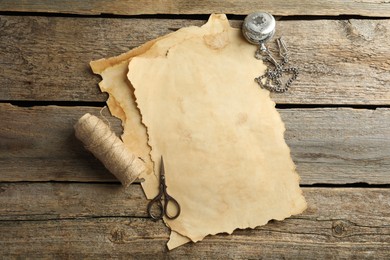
x,y
158,200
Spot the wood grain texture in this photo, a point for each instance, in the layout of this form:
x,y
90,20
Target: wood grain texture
x,y
46,58
43,201
339,223
39,144
132,7
348,145
334,145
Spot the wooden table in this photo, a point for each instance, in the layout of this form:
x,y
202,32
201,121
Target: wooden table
x,y
58,201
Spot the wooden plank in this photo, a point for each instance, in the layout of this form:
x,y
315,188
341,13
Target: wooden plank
x,y
126,7
43,201
334,145
46,58
343,144
38,144
339,223
86,200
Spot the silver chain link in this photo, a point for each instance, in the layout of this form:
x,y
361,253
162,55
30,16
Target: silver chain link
x,y
273,77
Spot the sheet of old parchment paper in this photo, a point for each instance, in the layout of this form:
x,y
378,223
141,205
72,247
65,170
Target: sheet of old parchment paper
x,y
121,103
226,160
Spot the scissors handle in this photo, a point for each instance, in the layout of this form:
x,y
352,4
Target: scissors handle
x,y
168,200
163,209
160,209
173,202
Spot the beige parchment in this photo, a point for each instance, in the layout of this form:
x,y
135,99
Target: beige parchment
x,y
226,160
121,103
222,139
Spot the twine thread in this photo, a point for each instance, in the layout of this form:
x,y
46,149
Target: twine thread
x,y
98,138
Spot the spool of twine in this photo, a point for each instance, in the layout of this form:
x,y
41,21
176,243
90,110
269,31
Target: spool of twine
x,y
98,138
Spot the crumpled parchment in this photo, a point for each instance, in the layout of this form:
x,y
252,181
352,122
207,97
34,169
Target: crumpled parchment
x,y
191,97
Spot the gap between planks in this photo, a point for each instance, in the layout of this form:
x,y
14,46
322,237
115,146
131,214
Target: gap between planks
x,y
21,103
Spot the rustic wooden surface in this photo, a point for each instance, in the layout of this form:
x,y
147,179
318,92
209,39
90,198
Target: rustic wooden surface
x,y
277,7
346,62
334,226
58,201
333,141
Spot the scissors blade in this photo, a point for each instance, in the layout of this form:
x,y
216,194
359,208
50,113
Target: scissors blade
x,y
162,170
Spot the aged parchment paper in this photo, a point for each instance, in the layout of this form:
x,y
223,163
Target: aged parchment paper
x,y
221,137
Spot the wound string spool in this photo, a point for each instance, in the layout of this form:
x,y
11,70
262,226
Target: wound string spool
x,y
98,138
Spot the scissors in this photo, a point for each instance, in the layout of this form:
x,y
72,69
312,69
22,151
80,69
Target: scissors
x,y
157,201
